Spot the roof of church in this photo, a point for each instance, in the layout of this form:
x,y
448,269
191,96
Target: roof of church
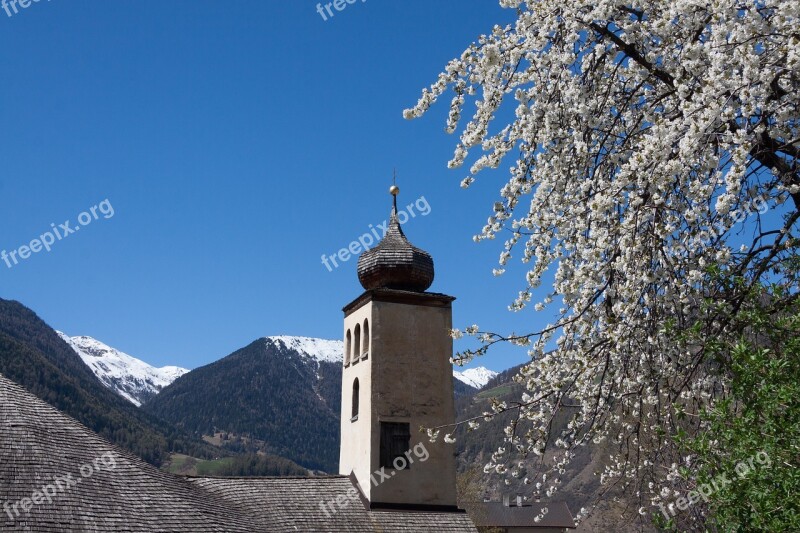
x,y
395,263
496,514
288,502
58,476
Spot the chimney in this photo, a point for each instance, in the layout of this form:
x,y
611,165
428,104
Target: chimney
x,y
506,500
519,500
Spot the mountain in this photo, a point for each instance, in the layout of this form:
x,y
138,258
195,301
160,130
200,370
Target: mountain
x,y
34,356
321,350
138,382
475,377
278,395
131,378
461,389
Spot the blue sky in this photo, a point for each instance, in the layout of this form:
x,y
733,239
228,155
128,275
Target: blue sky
x,y
237,142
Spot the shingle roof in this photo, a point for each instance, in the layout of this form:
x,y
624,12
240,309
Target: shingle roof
x,y
421,521
498,515
284,503
395,263
281,504
42,447
38,443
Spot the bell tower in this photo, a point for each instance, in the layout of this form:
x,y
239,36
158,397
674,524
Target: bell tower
x,y
397,377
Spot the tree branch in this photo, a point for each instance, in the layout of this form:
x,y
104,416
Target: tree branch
x,y
634,54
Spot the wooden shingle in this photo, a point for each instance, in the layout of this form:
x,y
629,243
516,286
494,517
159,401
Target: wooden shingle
x,y
41,446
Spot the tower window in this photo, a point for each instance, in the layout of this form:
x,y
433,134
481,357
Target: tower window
x,y
355,401
395,438
356,343
347,347
366,337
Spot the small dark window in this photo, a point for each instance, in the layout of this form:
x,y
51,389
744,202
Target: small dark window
x,y
395,438
355,401
356,342
347,348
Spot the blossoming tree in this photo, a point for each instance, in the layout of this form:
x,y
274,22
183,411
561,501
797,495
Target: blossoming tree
x,y
653,146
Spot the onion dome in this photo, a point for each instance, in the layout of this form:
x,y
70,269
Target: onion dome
x,y
395,263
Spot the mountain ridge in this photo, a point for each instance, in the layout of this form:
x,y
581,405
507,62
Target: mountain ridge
x,y
476,377
138,381
269,395
128,376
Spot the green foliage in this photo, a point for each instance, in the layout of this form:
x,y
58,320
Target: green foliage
x,y
496,392
754,434
250,465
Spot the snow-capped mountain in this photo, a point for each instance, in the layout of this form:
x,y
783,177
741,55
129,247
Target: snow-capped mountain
x,y
317,349
131,378
333,352
283,392
475,377
138,382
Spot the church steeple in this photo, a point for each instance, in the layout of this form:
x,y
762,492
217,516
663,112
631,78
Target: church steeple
x,y
397,377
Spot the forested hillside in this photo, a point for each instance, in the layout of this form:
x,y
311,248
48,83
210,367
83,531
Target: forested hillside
x,y
34,356
271,397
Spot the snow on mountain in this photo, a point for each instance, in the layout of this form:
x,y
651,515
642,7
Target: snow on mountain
x,y
131,378
332,352
475,377
137,381
317,349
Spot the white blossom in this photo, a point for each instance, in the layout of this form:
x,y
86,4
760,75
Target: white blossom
x,y
637,136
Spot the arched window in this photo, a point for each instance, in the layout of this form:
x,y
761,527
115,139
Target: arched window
x,y
347,347
356,343
366,336
355,401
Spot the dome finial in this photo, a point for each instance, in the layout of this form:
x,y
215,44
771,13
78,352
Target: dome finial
x,y
395,263
394,190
